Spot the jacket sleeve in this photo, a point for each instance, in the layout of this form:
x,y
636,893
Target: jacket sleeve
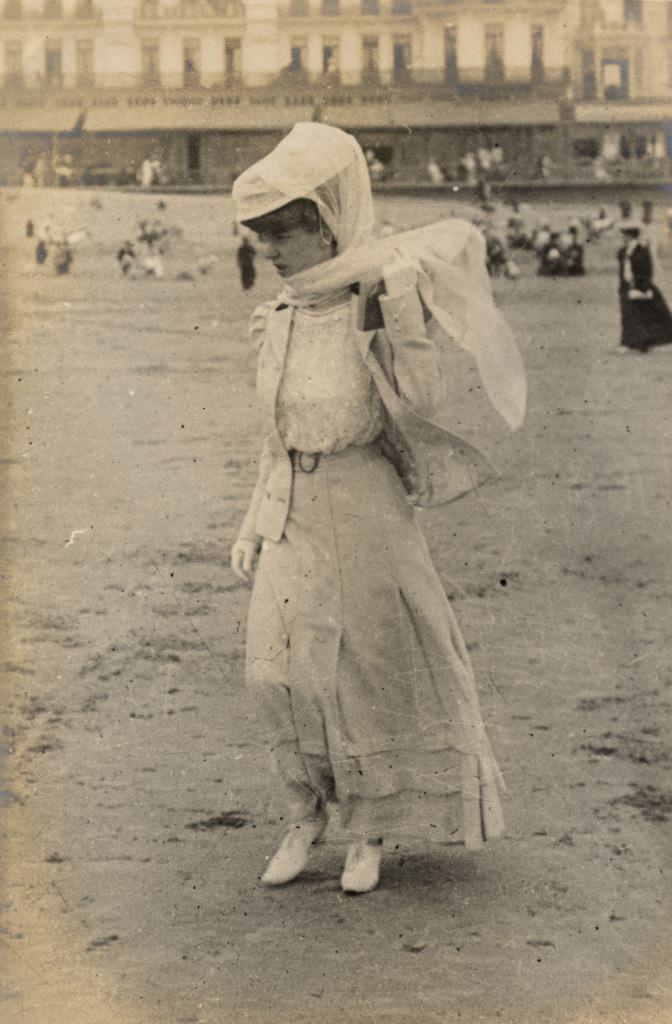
x,y
418,370
248,531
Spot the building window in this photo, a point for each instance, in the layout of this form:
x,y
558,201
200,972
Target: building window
x,y
150,64
370,7
228,8
52,10
53,64
191,63
632,10
84,63
451,72
14,64
85,9
299,9
330,8
149,9
233,64
537,64
588,76
370,61
194,157
616,78
401,7
12,10
401,60
330,60
494,55
297,55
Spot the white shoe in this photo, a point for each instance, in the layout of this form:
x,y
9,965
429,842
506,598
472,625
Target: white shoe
x,y
362,867
293,853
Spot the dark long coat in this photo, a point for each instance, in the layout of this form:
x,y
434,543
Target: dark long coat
x,y
645,317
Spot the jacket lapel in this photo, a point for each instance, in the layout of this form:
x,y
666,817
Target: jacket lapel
x,y
270,367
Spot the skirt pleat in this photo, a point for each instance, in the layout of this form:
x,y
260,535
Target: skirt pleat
x,y
358,668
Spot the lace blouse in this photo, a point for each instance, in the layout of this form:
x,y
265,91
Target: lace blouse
x,y
327,400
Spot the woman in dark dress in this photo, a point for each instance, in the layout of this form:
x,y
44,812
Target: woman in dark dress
x,y
645,318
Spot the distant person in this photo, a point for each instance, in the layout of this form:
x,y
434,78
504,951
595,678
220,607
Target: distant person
x,y
544,167
600,223
626,209
484,193
495,254
64,171
600,172
574,255
645,318
45,236
434,172
647,211
30,229
146,173
551,263
483,161
496,161
541,236
245,257
41,170
126,257
469,168
377,169
63,257
157,170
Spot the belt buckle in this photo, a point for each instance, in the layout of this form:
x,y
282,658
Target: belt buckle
x,y
311,466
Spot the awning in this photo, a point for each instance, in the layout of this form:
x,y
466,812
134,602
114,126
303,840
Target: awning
x,y
165,117
162,117
443,114
623,113
38,120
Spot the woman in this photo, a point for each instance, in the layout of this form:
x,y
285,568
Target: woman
x,y
645,318
354,657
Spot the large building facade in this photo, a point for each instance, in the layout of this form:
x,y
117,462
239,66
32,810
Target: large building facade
x,y
210,83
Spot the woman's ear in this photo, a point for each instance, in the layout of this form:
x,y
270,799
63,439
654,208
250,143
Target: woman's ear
x,y
327,236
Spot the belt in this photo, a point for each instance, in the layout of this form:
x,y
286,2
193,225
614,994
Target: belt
x,y
305,462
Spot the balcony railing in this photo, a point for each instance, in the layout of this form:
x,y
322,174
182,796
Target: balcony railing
x,y
291,88
345,8
52,10
190,10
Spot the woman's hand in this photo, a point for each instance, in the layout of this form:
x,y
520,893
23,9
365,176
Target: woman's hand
x,y
243,556
400,275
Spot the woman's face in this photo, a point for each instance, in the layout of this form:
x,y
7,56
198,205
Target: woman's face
x,y
293,249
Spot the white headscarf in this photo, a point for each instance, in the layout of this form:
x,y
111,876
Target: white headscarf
x,y
326,165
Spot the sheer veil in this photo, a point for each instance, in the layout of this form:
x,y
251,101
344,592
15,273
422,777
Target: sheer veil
x,y
324,164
